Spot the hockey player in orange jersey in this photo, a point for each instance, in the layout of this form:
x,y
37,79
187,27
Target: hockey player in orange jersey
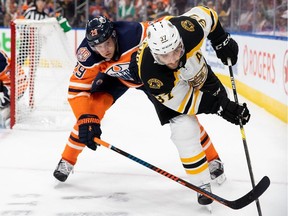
x,y
100,77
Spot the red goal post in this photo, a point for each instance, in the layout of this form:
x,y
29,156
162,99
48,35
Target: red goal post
x,y
42,60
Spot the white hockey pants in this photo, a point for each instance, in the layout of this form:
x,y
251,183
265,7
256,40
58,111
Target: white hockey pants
x,y
185,134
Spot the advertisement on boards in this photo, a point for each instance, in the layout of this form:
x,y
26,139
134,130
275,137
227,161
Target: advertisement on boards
x,y
261,71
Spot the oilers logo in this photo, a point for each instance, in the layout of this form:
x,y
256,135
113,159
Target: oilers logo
x,y
120,71
83,54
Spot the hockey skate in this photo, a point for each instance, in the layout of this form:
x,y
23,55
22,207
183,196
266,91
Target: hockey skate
x,y
63,170
217,171
203,200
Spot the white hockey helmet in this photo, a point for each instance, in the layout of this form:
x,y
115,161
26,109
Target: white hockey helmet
x,y
163,37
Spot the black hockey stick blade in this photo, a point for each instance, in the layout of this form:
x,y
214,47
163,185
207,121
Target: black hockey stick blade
x,y
253,195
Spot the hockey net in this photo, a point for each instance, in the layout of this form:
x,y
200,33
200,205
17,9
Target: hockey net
x,y
41,64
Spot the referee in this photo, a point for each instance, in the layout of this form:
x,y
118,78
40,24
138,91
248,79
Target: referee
x,y
37,11
30,38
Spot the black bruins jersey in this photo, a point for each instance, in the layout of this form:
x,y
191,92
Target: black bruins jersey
x,y
173,88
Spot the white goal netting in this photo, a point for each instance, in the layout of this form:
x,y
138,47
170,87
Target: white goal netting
x,y
42,63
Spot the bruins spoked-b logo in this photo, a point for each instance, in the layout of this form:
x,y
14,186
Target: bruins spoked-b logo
x,y
154,83
188,25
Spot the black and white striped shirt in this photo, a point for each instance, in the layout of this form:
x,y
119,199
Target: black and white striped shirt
x,y
32,13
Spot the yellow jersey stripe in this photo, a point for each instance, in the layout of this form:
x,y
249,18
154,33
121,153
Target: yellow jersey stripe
x,y
185,100
192,109
194,159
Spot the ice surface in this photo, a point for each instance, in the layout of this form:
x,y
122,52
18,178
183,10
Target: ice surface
x,y
105,183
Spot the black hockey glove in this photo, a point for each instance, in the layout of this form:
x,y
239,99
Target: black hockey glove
x,y
89,127
225,47
232,111
4,96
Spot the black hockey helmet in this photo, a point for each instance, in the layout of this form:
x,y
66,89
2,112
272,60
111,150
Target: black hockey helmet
x,y
98,30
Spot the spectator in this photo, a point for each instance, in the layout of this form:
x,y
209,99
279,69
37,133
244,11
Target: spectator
x,y
49,8
282,23
2,11
150,11
145,12
96,9
246,18
162,9
181,6
160,6
261,23
11,13
211,5
80,20
112,9
68,9
223,10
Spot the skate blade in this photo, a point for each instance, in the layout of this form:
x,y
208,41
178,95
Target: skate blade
x,y
209,208
221,179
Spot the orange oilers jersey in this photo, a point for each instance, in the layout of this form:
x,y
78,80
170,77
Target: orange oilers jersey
x,y
89,63
4,68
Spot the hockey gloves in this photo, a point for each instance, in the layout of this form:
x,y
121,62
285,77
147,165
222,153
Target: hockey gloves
x,y
4,96
232,111
225,47
89,127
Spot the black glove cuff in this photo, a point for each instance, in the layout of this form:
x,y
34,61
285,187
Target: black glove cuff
x,y
221,42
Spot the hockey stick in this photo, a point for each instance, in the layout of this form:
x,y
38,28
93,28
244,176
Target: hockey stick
x,y
243,134
235,204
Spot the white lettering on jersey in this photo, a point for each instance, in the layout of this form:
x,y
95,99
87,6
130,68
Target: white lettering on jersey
x,y
120,71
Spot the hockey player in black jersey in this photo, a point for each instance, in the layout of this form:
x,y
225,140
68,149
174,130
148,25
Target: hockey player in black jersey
x,y
173,68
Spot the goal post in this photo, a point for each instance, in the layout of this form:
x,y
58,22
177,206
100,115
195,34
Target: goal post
x,y
42,61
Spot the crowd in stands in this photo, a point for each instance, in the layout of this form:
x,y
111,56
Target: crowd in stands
x,y
261,16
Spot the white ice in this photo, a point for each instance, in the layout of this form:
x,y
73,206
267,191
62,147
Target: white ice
x,y
105,183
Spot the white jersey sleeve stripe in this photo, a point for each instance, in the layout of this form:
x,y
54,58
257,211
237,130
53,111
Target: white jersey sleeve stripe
x,y
75,84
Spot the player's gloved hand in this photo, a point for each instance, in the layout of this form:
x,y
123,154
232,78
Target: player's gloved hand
x,y
225,47
89,127
232,111
4,96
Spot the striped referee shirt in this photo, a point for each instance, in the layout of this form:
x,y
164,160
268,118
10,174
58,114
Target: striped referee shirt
x,y
32,13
